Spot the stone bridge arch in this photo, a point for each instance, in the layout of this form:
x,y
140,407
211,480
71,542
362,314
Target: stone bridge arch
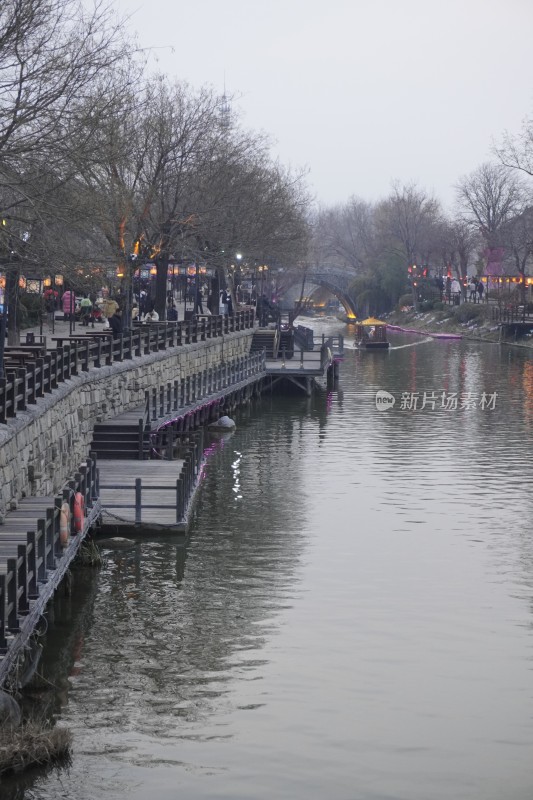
x,y
337,285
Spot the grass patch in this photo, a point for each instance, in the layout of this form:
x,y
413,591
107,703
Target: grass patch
x,y
89,555
31,745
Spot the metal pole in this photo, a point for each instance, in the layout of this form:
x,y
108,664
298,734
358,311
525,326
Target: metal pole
x,y
196,288
2,338
72,305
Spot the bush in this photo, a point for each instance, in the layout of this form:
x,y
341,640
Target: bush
x,y
427,305
469,312
438,306
405,300
30,309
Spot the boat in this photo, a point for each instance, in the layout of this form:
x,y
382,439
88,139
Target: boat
x,y
371,334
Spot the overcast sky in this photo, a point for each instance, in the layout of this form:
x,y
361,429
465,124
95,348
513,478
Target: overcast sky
x,y
361,92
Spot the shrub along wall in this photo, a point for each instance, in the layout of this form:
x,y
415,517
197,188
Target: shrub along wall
x,y
40,449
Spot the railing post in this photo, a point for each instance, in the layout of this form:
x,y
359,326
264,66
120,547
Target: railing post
x,y
140,451
138,500
12,591
147,404
22,579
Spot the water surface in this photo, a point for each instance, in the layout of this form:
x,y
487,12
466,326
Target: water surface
x,y
351,618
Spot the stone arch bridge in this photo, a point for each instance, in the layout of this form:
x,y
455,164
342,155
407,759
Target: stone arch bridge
x,y
336,280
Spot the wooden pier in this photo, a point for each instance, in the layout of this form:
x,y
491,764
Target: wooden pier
x,y
144,496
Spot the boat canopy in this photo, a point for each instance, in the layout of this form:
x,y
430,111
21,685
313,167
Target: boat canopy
x,y
371,321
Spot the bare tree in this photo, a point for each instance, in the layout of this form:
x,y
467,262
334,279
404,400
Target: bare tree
x,y
490,196
53,53
344,235
517,238
516,151
408,219
456,244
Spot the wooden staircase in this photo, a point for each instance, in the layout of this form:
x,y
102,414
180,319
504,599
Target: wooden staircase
x,y
286,343
120,440
266,339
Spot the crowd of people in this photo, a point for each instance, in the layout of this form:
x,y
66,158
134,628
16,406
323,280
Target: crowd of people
x,y
89,309
452,291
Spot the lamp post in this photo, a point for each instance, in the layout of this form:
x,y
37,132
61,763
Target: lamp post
x,y
35,286
2,322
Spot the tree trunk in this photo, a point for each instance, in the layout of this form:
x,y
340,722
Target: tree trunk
x,y
161,285
12,285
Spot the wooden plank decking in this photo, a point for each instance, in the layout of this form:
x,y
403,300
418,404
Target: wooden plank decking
x,y
158,494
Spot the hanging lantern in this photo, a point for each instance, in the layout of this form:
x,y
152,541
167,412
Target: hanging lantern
x,y
22,282
47,282
58,280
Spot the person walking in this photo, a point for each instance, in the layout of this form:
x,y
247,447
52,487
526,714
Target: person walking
x,y
222,307
199,308
109,307
229,303
86,311
480,289
473,289
115,323
68,302
456,291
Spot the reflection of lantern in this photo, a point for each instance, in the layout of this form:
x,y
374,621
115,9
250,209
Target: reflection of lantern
x,y
58,280
153,271
22,282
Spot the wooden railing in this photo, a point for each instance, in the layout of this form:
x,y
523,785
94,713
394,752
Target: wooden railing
x,y
23,385
27,567
190,448
162,401
304,337
510,314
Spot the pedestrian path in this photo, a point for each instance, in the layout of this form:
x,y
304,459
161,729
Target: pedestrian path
x,y
58,326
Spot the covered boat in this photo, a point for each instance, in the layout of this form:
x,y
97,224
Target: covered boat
x,y
371,334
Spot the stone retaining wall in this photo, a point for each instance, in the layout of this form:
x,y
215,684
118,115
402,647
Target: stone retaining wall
x,y
42,447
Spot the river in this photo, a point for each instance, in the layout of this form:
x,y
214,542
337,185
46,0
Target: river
x,y
351,618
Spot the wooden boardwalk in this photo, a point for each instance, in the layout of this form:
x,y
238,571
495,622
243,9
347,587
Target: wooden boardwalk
x,y
33,562
148,505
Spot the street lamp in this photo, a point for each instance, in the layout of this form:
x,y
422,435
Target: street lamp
x,y
2,322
